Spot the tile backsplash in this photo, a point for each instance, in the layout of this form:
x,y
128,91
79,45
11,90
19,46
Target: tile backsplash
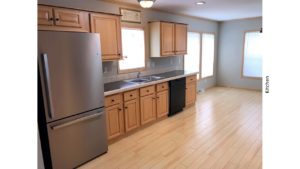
x,y
153,66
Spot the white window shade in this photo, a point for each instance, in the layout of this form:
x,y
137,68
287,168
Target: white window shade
x,y
208,55
252,66
133,46
192,59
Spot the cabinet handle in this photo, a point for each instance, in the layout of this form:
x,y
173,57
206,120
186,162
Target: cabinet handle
x,y
147,90
50,19
126,107
157,97
163,86
120,109
57,19
131,95
153,98
112,100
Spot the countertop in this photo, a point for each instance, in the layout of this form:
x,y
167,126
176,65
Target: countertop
x,y
121,86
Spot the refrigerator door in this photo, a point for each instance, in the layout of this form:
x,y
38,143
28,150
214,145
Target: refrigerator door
x,y
71,70
76,140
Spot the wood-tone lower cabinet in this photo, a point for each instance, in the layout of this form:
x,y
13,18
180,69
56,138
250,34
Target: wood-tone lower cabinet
x,y
114,121
162,103
132,114
148,108
191,90
61,19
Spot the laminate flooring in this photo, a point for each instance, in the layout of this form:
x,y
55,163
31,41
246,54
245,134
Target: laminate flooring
x,y
223,130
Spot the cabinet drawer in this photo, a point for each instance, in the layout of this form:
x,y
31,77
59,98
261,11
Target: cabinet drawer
x,y
112,100
191,79
147,90
162,87
131,95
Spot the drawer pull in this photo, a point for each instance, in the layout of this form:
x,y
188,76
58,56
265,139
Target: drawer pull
x,y
126,107
131,95
147,90
163,86
112,100
120,109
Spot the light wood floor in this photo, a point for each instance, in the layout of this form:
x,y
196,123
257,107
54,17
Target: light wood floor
x,y
222,131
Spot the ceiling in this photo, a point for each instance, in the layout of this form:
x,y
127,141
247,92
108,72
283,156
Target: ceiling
x,y
220,10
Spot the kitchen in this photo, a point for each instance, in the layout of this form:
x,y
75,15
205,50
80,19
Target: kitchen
x,y
148,75
148,84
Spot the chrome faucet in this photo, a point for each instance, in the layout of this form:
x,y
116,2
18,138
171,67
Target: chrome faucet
x,y
138,75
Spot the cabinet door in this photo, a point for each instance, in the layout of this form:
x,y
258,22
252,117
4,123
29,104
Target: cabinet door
x,y
108,26
45,15
61,19
162,103
132,114
69,18
148,109
180,39
167,39
114,121
190,94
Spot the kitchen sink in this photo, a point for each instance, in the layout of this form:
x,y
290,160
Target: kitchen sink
x,y
152,78
139,80
144,79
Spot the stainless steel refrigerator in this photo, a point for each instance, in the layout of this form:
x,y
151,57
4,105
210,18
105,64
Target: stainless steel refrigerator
x,y
71,112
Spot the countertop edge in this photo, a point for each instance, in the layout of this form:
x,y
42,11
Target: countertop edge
x,y
108,93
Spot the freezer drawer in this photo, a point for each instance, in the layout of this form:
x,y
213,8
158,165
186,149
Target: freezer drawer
x,y
77,140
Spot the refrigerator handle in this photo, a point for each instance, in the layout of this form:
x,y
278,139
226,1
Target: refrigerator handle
x,y
76,121
47,84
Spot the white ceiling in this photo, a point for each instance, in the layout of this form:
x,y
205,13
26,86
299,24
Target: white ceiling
x,y
219,10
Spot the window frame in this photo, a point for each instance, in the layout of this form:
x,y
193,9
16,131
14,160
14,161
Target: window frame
x,y
200,56
214,67
243,57
135,69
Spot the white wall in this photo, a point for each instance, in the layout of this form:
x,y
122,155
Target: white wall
x,y
231,41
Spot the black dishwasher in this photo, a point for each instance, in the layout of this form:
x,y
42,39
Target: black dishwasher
x,y
176,96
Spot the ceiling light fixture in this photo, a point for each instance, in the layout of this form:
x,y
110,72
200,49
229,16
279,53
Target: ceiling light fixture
x,y
200,3
146,3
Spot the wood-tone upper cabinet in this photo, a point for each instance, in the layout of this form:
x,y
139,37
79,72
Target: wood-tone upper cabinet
x,y
162,103
45,15
68,18
108,26
61,19
132,114
114,121
148,108
180,39
167,39
191,90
